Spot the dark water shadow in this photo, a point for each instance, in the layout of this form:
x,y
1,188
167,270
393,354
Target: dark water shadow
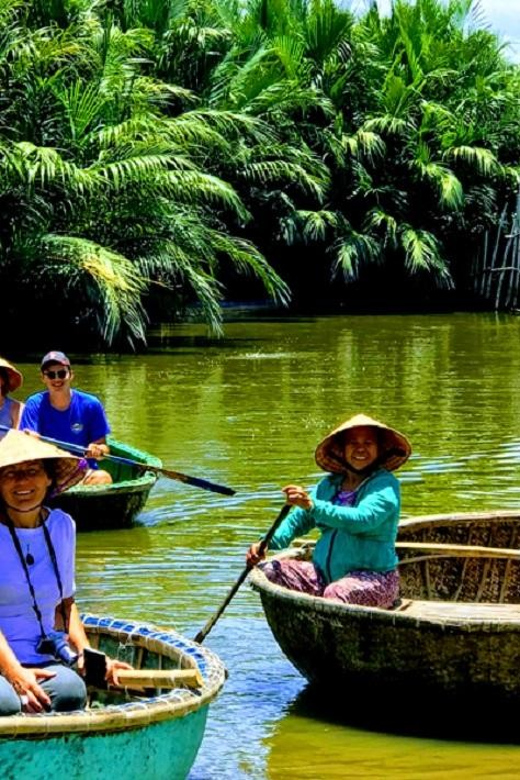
x,y
413,713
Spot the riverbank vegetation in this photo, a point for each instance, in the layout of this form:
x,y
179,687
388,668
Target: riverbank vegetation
x,y
159,155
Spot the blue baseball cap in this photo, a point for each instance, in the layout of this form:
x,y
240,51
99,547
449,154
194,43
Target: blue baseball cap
x,y
55,357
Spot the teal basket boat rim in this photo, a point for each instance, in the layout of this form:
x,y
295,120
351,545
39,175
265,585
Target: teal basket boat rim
x,y
133,714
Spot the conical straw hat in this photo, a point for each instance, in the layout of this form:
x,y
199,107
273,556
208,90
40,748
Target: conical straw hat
x,y
395,448
18,447
14,377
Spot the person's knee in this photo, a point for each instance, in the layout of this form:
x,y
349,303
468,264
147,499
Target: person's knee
x,y
97,477
67,690
332,591
268,569
10,702
103,478
348,593
275,571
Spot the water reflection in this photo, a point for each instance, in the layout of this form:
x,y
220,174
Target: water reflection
x,y
409,713
247,411
321,735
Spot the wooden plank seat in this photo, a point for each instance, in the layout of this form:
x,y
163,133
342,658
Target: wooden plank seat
x,y
460,611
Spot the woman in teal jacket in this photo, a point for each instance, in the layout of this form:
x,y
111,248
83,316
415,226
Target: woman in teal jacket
x,y
356,508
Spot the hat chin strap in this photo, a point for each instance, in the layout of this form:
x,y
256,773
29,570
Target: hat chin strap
x,y
362,471
23,511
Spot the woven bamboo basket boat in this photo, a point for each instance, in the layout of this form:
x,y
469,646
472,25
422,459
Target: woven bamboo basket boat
x,y
132,736
455,630
96,507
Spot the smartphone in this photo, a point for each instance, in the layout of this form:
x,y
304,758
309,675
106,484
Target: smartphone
x,y
95,667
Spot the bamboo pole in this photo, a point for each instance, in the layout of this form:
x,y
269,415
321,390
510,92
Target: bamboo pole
x,y
512,297
516,276
489,279
502,272
484,264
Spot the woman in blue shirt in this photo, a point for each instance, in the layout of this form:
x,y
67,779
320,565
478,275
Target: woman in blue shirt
x,y
10,410
41,634
356,508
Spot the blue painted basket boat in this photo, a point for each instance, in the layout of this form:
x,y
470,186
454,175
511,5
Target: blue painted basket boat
x,y
96,507
131,737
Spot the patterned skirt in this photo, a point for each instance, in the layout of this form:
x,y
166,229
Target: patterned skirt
x,y
367,588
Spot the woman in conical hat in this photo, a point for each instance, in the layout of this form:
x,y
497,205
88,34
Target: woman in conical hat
x,y
356,508
41,635
10,410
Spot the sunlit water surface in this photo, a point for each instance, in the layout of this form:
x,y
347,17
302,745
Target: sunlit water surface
x,y
247,412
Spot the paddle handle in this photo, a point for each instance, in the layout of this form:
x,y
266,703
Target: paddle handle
x,y
160,678
264,544
200,637
75,448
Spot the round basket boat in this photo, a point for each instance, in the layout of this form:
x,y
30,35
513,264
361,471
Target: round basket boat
x,y
131,736
114,505
455,630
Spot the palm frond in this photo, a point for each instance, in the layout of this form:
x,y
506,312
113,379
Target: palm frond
x,y
385,223
42,166
353,251
483,160
365,145
279,171
422,254
328,32
317,225
246,258
196,187
447,185
389,125
229,124
108,280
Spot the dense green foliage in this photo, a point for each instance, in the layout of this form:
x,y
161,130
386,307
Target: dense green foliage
x,y
153,152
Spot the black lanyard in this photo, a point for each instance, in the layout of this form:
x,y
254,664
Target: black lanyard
x,y
52,553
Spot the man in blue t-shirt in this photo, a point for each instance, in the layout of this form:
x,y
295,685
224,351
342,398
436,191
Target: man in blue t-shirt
x,y
68,415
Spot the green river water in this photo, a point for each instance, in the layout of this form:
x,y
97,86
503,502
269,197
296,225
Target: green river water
x,y
247,411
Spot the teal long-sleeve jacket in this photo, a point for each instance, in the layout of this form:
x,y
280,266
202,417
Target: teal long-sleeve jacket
x,y
360,537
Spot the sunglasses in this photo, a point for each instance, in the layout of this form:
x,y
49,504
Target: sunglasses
x,y
61,373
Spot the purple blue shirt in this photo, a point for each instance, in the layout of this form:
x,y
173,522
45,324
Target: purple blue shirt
x,y
18,623
82,423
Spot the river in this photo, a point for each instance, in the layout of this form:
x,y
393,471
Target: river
x,y
247,411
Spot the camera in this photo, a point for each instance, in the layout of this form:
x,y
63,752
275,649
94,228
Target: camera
x,y
55,643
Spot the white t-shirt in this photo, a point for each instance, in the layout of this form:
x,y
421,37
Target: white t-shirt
x,y
18,621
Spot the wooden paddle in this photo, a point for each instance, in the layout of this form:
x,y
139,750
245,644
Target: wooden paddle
x,y
194,481
160,678
261,549
96,669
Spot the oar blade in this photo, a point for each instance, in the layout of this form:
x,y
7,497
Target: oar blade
x,y
205,485
194,481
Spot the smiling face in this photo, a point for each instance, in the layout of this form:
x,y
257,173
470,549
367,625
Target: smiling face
x,y
57,378
24,485
361,447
